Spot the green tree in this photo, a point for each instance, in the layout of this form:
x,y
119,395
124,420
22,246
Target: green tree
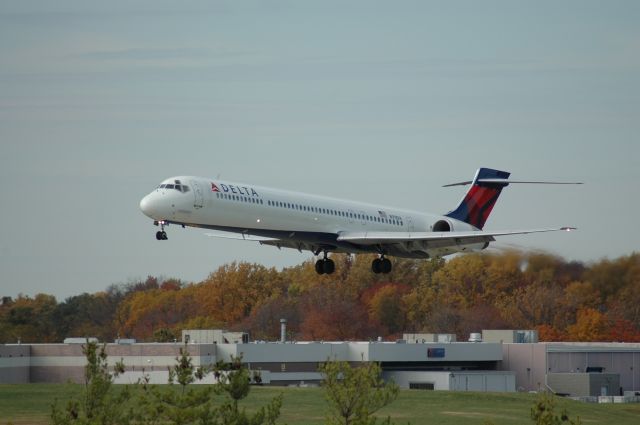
x,y
164,335
188,405
543,412
182,405
355,394
97,404
234,385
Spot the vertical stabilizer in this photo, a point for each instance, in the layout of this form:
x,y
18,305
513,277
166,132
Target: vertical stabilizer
x,y
478,202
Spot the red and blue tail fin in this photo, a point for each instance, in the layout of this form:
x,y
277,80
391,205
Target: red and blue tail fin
x,y
477,204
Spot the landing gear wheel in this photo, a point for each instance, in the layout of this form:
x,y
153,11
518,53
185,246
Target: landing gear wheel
x,y
159,235
385,265
376,266
325,266
329,266
381,265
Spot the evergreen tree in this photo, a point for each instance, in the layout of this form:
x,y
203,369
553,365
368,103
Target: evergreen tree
x,y
98,403
355,394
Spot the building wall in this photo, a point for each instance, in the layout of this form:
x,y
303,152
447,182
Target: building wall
x,y
531,362
483,381
14,364
617,358
440,380
528,362
456,381
574,384
454,352
604,384
585,384
51,363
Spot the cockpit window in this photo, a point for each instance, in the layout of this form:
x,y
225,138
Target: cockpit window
x,y
177,186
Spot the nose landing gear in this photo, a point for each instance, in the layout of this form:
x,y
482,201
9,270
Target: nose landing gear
x,y
161,235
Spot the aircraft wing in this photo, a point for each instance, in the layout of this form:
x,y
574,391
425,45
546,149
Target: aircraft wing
x,y
263,240
239,236
374,238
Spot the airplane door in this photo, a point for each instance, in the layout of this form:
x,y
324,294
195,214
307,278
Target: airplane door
x,y
198,194
362,217
409,224
351,215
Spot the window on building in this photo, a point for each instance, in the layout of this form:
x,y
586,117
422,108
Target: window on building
x,y
421,386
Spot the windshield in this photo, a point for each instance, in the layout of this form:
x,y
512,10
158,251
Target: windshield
x,y
176,185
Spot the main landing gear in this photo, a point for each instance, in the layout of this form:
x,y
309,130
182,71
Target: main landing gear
x,y
381,265
161,235
325,265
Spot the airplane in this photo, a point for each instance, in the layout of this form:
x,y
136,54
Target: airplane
x,y
326,225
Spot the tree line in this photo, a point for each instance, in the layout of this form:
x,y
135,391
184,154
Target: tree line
x,y
563,300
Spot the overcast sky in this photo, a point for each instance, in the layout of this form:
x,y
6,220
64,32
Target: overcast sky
x,y
380,102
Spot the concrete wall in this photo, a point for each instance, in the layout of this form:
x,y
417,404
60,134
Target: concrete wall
x,y
456,381
585,384
440,380
617,358
510,336
14,364
65,362
454,352
283,353
483,381
528,362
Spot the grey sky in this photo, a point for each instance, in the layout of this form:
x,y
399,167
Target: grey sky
x,y
377,101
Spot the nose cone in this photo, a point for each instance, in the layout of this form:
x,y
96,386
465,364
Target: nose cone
x,y
146,205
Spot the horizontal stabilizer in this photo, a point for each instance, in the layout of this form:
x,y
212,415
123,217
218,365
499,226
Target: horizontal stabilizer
x,y
506,182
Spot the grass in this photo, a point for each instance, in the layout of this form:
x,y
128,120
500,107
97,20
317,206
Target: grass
x,y
31,404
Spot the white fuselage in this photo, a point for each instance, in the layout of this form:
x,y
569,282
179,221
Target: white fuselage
x,y
304,221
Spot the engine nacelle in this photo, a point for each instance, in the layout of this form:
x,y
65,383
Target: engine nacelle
x,y
442,226
445,225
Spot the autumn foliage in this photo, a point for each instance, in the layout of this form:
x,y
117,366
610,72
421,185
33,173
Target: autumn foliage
x,y
564,301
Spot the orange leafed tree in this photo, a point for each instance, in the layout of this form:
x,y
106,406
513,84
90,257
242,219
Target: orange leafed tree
x,y
591,325
548,333
329,315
